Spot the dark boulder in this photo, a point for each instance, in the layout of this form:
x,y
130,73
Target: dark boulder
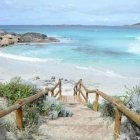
x,y
32,37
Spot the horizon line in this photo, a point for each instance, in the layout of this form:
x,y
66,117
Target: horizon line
x,y
61,25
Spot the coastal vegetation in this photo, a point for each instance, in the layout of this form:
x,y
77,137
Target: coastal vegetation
x,y
33,114
132,100
16,89
12,91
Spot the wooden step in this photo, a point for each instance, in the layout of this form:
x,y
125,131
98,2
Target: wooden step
x,y
69,99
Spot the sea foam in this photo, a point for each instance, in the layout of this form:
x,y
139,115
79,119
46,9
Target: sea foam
x,y
22,58
138,37
134,48
107,72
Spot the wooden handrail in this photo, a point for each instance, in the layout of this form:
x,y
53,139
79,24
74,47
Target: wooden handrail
x,y
125,110
107,97
8,110
83,86
31,98
78,83
78,91
20,102
18,107
83,95
129,113
120,108
52,89
56,86
57,93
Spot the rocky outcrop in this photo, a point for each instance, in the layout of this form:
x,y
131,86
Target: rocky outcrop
x,y
8,39
31,37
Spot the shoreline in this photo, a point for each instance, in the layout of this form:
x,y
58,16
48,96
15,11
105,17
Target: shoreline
x,y
45,70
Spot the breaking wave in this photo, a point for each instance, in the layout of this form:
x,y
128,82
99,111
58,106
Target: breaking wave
x,y
108,73
24,58
138,37
134,48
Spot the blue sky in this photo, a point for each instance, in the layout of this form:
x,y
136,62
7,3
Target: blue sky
x,y
87,12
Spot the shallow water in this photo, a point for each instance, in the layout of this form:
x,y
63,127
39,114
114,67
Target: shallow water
x,y
111,51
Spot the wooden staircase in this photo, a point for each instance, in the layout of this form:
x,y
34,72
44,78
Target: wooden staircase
x,y
85,124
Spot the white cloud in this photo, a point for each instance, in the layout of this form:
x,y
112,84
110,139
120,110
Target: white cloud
x,y
71,11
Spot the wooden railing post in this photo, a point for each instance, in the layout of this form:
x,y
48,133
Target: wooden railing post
x,y
60,88
96,103
117,128
52,92
46,91
86,97
19,116
79,90
75,90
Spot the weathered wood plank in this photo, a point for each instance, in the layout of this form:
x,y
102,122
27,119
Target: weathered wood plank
x,y
9,110
117,128
96,103
19,118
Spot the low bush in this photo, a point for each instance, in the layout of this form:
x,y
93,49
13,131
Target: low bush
x,y
54,108
25,134
50,103
31,114
108,109
132,101
16,89
91,105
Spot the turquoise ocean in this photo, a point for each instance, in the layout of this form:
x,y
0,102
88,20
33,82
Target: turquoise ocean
x,y
114,50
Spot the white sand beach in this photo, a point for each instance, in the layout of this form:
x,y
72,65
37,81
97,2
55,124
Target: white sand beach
x,y
109,83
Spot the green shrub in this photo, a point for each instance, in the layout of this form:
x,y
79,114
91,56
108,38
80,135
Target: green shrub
x,y
91,106
47,104
132,101
30,114
108,109
54,108
24,134
16,89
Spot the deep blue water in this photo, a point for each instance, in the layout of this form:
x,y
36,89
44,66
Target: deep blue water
x,y
116,49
